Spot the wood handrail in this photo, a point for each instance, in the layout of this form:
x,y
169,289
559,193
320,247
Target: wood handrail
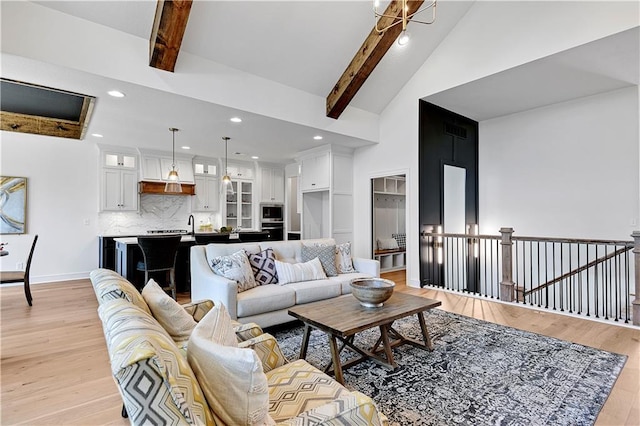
x,y
578,270
628,244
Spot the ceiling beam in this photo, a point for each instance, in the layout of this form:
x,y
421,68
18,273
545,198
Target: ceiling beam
x,y
168,29
368,56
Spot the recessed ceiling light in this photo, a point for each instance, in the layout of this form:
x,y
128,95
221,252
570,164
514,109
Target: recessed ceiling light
x,y
317,137
255,157
185,147
236,119
116,93
96,135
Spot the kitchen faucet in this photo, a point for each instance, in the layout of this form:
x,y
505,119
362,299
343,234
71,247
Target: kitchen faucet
x,y
192,222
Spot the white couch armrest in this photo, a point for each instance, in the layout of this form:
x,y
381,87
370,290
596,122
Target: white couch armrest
x,y
367,266
206,284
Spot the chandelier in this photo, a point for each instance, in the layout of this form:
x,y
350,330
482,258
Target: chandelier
x,y
407,16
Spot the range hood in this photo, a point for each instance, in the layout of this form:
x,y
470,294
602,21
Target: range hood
x,y
148,187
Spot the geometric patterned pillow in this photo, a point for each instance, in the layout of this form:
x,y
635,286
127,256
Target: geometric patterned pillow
x,y
136,343
235,267
264,267
326,254
401,239
343,259
297,387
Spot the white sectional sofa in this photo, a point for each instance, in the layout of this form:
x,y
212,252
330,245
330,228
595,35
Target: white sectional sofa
x,y
267,305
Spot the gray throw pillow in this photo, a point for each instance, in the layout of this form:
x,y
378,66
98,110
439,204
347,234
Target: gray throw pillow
x,y
326,255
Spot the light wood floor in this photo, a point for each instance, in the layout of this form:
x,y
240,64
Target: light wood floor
x,y
55,367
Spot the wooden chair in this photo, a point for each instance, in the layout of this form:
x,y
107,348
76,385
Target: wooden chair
x,y
159,254
21,276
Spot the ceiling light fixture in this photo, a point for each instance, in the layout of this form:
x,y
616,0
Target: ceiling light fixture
x,y
255,157
96,135
185,147
407,17
226,179
173,181
236,119
116,93
317,137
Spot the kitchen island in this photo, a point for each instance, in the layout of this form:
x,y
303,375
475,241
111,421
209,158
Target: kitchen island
x,y
128,254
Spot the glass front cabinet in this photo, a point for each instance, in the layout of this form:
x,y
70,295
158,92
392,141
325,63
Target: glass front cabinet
x,y
239,205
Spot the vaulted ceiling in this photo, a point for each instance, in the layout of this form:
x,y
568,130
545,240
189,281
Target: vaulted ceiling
x,y
304,46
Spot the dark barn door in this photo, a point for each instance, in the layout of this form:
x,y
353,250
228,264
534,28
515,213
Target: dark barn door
x,y
448,183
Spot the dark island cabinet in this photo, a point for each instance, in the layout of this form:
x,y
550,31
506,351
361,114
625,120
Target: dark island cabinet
x,y
107,251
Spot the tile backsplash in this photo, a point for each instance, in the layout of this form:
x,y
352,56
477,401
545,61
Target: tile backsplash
x,y
156,212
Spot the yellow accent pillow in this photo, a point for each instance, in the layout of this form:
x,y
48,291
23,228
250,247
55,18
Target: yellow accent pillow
x,y
171,316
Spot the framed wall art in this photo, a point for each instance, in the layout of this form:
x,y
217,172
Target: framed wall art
x,y
13,205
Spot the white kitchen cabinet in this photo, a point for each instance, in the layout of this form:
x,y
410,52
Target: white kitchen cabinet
x,y
272,185
327,193
240,171
316,172
205,166
239,205
118,179
119,190
119,160
207,198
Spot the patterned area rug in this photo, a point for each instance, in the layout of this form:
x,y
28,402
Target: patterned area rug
x,y
478,373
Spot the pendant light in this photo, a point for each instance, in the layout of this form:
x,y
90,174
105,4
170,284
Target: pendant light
x,y
226,179
173,181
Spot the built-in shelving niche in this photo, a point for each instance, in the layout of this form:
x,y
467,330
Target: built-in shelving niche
x,y
389,219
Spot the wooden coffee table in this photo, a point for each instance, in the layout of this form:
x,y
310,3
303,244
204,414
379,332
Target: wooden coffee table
x,y
341,318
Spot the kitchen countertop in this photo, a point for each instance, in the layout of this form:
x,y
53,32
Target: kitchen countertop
x,y
134,240
185,237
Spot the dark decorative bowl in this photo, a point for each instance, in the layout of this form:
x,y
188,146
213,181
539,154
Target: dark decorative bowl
x,y
372,292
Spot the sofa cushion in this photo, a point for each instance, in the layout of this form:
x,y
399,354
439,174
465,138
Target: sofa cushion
x,y
297,272
344,263
263,265
311,291
265,298
345,280
298,387
171,316
235,267
326,255
231,378
285,251
109,285
155,379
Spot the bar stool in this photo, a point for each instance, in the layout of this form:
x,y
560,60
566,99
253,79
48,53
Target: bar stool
x,y
159,253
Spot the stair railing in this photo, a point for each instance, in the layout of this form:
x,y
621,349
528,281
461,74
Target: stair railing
x,y
580,276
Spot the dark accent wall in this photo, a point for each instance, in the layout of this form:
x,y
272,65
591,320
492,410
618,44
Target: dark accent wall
x,y
445,138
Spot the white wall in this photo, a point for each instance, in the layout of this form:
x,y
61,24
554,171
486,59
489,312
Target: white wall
x,y
61,194
569,170
491,37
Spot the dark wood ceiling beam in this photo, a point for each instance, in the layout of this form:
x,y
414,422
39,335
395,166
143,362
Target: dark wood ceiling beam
x,y
368,56
168,29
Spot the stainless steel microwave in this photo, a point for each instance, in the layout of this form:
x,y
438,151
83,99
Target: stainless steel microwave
x,y
272,212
